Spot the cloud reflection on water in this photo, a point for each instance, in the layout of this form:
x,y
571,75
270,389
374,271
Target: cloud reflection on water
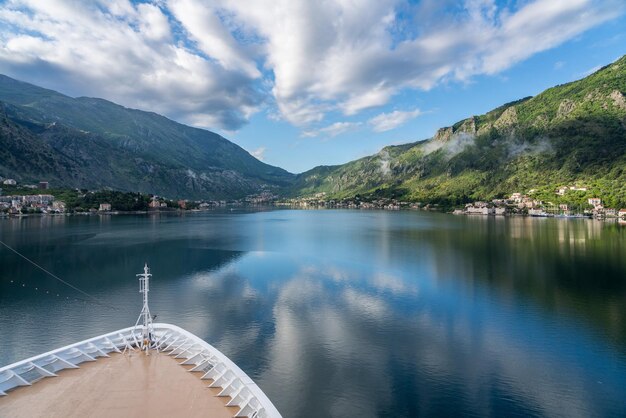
x,y
343,340
357,313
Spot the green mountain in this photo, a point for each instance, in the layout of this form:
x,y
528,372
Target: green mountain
x,y
572,134
93,143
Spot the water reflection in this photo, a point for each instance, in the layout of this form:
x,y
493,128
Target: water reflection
x,y
347,346
339,313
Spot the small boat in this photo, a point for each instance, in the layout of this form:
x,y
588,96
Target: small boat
x,y
150,369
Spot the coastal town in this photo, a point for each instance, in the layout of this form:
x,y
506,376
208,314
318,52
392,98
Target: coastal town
x,y
525,204
516,204
29,203
37,200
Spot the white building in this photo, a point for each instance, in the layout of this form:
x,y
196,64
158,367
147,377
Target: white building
x,y
595,201
472,210
43,199
58,206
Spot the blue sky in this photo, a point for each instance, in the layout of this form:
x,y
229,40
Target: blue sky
x,y
442,106
301,83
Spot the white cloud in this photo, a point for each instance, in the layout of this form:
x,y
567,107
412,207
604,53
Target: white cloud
x,y
125,53
259,153
352,56
332,130
153,23
388,121
541,25
205,27
214,63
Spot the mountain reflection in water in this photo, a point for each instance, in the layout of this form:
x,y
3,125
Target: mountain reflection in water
x,y
349,313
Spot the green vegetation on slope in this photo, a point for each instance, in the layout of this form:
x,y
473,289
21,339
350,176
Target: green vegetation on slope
x,y
573,134
93,143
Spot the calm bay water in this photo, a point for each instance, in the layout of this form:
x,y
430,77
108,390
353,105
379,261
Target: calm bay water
x,y
348,313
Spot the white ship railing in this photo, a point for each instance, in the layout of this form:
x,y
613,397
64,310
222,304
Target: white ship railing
x,y
174,341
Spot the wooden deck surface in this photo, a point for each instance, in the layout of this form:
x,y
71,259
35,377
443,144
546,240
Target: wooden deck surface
x,y
124,385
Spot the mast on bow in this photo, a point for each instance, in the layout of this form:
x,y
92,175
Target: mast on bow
x,y
147,331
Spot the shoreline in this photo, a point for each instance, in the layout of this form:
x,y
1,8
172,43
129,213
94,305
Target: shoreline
x,y
232,208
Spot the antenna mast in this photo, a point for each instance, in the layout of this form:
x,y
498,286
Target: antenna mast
x,y
147,328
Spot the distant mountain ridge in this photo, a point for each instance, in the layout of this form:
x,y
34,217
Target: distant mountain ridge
x,y
94,143
570,134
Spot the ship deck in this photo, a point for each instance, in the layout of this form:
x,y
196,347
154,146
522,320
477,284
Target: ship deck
x,y
129,384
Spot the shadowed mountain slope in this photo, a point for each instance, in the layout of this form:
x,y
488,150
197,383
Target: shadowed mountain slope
x,y
93,143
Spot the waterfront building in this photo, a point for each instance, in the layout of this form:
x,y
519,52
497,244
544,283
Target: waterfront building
x,y
594,201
